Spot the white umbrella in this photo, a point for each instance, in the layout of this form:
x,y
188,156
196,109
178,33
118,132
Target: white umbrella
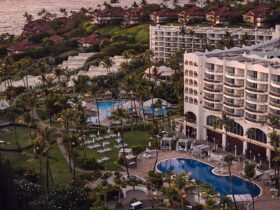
x,y
150,144
119,134
98,133
109,130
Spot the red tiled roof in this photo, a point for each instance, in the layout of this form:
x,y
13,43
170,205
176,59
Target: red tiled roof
x,y
92,39
22,46
224,12
164,13
193,11
138,12
259,12
56,38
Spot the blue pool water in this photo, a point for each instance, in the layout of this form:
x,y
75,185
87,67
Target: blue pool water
x,y
105,108
203,172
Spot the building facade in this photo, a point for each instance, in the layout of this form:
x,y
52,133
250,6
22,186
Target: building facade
x,y
166,40
242,82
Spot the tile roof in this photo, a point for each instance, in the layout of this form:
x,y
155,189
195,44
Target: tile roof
x,y
22,46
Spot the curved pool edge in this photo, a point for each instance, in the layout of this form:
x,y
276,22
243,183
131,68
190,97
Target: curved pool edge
x,y
214,167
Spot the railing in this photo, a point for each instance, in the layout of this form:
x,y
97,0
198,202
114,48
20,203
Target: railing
x,y
250,109
256,100
257,79
274,104
259,90
234,85
212,80
234,94
233,104
212,99
213,90
234,75
275,82
274,93
213,108
255,120
234,114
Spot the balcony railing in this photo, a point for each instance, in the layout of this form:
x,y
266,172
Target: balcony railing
x,y
257,79
275,82
258,90
274,104
260,120
213,90
234,114
213,99
274,93
213,108
233,104
256,100
233,85
234,74
234,94
255,110
212,80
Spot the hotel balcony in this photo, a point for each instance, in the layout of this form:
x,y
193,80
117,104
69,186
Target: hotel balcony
x,y
234,104
213,99
275,83
257,80
275,111
256,90
214,71
232,84
275,93
230,93
233,75
256,100
210,88
212,107
234,113
274,105
255,118
256,110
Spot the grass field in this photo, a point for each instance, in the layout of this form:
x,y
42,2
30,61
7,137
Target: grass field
x,y
140,32
22,137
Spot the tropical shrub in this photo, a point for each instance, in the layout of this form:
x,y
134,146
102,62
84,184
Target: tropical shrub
x,y
26,191
89,164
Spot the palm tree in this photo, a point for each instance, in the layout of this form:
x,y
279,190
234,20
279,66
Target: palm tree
x,y
120,183
65,117
120,115
156,144
225,122
275,140
63,11
94,91
107,63
126,54
250,173
28,17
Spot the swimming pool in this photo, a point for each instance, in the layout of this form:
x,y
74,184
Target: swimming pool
x,y
203,172
105,108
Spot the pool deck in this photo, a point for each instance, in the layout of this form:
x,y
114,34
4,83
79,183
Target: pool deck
x,y
146,165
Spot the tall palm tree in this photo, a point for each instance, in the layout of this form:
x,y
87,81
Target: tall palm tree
x,y
226,123
121,115
107,63
275,140
250,173
94,91
65,118
63,11
28,17
127,55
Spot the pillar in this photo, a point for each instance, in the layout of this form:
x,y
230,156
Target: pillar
x,y
268,156
224,141
245,146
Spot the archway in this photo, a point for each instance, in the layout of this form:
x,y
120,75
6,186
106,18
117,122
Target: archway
x,y
257,135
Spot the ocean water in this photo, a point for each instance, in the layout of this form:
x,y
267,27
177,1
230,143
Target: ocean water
x,y
11,11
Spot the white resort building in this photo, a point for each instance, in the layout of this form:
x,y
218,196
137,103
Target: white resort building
x,y
242,82
165,40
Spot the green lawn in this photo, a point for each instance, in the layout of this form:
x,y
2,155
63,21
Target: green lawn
x,y
58,164
131,138
22,137
140,32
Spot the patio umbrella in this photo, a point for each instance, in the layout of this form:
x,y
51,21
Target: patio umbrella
x,y
109,130
150,144
98,133
119,134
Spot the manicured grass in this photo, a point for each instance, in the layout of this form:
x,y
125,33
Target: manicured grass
x,y
59,167
131,138
22,137
140,32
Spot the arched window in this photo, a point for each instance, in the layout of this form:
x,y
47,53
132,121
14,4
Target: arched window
x,y
190,117
236,129
186,62
186,90
186,99
195,101
191,73
186,81
211,120
191,100
256,134
186,72
195,74
195,83
191,91
190,63
191,82
195,92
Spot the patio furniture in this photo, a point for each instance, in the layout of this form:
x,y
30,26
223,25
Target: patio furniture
x,y
201,150
166,143
183,145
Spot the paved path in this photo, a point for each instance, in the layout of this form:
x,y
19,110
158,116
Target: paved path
x,y
270,204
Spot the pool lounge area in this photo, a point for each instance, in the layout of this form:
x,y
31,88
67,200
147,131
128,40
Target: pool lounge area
x,y
204,172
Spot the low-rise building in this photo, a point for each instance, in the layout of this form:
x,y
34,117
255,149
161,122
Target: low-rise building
x,y
161,73
163,16
88,41
257,16
109,15
133,17
191,15
166,40
22,47
222,16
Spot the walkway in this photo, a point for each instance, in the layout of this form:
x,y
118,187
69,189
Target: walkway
x,y
270,204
